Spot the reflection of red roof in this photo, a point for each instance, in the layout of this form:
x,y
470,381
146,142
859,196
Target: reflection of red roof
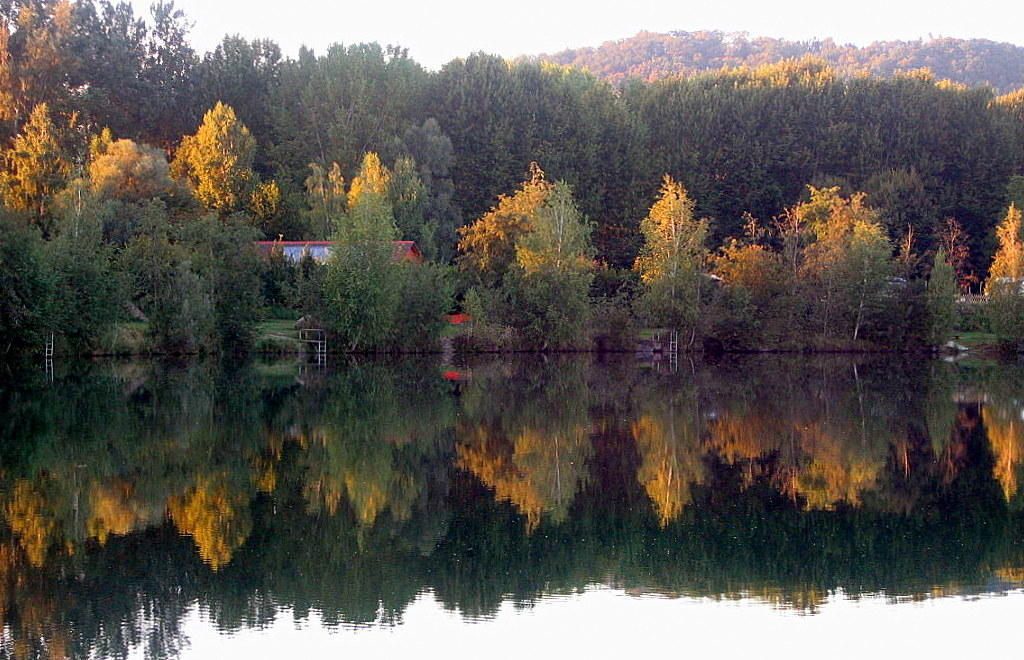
x,y
455,319
320,250
454,375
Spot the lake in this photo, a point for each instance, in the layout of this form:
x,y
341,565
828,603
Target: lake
x,y
770,505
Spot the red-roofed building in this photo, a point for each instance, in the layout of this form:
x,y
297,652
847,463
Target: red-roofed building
x,y
320,251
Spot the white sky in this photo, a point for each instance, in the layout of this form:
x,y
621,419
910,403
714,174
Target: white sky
x,y
437,31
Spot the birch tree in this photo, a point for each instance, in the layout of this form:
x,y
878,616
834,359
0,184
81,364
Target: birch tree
x,y
553,275
671,259
848,263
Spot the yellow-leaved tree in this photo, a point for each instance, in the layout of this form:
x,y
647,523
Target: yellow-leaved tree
x,y
488,246
217,519
1006,276
554,269
1008,262
36,168
217,161
128,171
847,264
671,259
325,192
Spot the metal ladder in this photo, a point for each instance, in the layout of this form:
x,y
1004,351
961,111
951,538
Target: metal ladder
x,y
48,351
318,338
673,352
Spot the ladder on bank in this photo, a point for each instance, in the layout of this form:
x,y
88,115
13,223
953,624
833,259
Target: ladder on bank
x,y
317,338
673,343
665,351
48,351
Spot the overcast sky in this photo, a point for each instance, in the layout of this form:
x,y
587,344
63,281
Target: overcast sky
x,y
437,31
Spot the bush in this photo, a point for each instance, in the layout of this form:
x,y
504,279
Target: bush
x,y
26,287
427,295
971,318
550,308
1006,314
87,291
613,327
278,346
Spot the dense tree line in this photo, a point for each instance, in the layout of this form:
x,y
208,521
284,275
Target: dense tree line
x,y
136,170
650,55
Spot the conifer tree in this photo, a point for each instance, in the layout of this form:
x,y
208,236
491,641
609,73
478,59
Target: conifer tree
x,y
218,160
37,167
941,299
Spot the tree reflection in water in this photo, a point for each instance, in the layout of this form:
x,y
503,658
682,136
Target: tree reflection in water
x,y
131,493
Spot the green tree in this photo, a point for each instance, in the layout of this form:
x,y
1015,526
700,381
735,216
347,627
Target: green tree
x,y
502,115
672,258
554,271
427,292
336,106
176,299
408,197
167,75
217,161
941,299
26,287
1015,187
362,281
903,203
244,75
327,199
434,155
88,296
222,255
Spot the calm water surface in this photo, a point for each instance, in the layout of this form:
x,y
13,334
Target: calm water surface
x,y
770,505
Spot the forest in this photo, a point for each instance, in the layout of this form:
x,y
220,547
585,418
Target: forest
x,y
651,55
780,206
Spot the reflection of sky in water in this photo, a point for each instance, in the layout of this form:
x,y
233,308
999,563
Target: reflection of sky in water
x,y
608,623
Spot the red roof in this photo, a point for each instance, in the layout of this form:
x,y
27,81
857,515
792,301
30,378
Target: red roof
x,y
404,250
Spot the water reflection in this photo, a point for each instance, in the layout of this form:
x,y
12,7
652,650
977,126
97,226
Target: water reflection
x,y
132,493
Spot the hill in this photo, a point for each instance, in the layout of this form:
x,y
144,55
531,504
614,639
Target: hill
x,y
650,55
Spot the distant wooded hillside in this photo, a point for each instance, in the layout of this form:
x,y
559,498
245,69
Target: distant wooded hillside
x,y
650,55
